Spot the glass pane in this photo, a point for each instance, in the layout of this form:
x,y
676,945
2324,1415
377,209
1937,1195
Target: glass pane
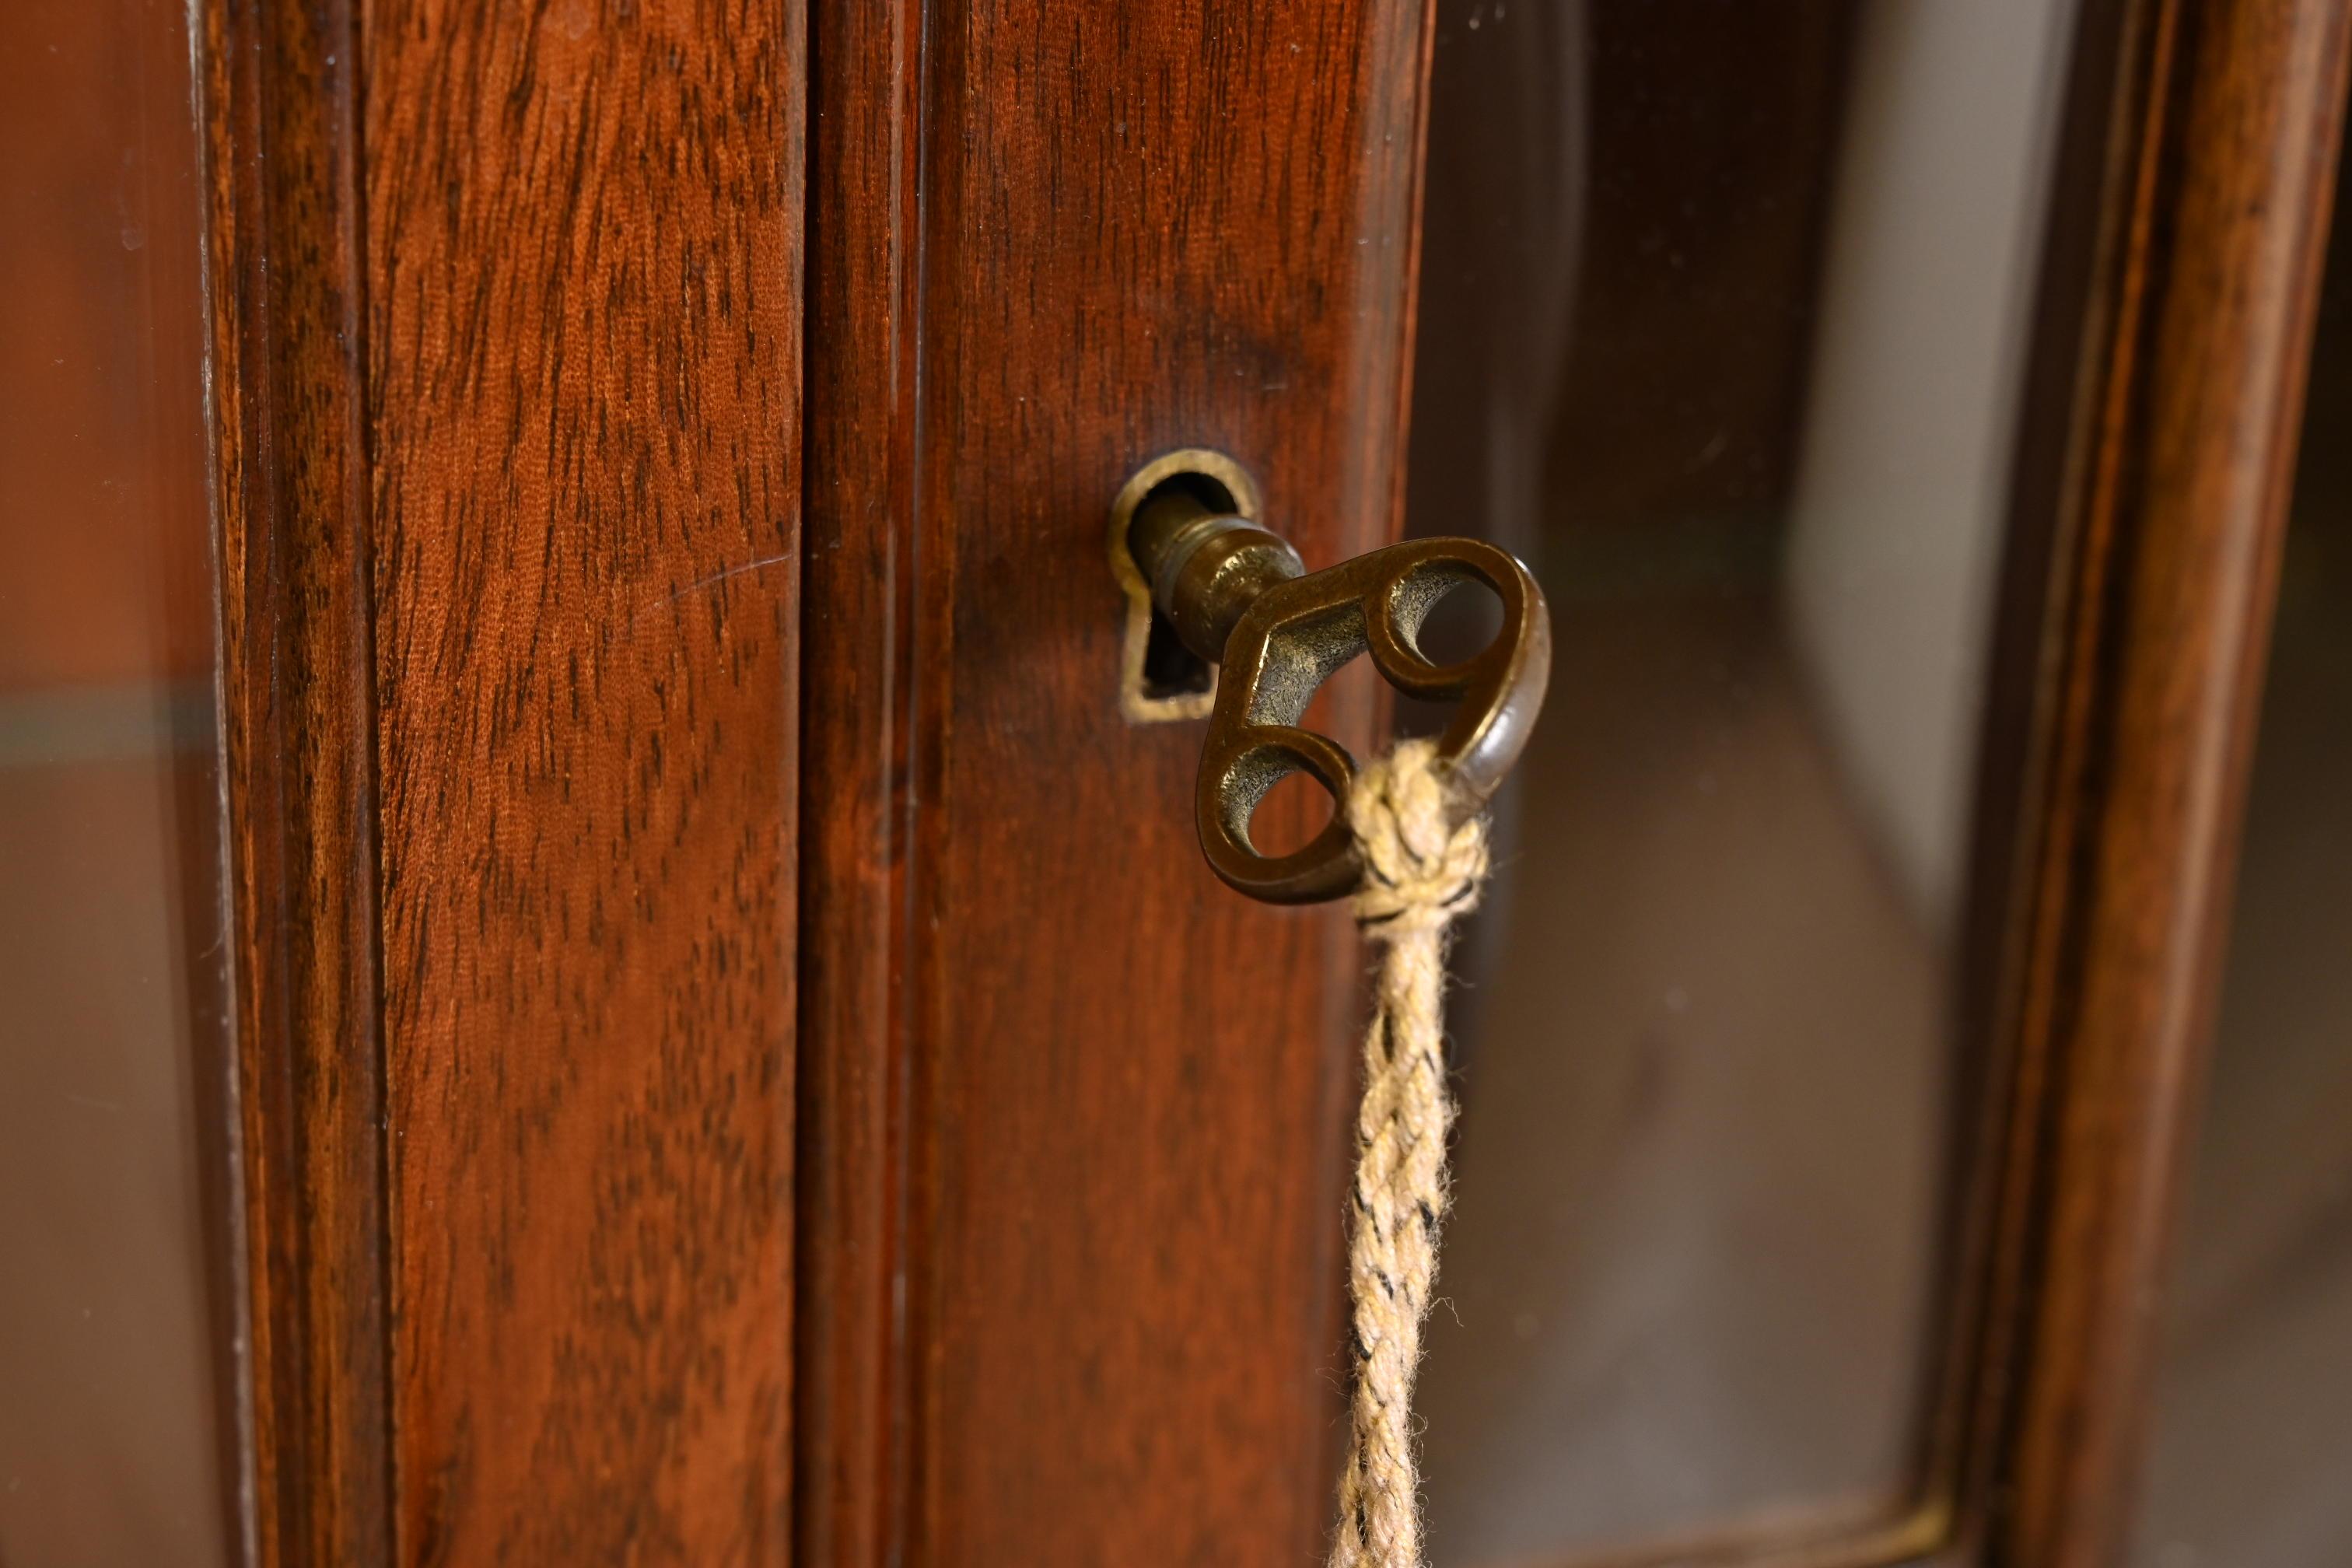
x,y
109,875
2253,1460
1722,328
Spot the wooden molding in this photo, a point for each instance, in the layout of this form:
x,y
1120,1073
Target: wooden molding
x,y
1073,1122
283,266
506,383
2176,491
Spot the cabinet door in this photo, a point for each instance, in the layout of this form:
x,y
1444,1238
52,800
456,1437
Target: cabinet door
x,y
732,1053
1072,1114
507,378
1893,402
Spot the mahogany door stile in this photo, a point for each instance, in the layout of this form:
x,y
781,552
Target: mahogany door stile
x,y
1091,1142
583,390
859,791
298,708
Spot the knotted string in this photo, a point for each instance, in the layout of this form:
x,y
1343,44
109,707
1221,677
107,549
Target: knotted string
x,y
1422,871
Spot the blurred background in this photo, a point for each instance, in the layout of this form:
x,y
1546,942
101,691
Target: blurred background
x,y
111,957
1724,328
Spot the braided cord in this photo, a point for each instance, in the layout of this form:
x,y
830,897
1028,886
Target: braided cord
x,y
1421,871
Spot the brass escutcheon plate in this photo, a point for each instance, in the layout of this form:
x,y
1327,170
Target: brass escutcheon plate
x,y
1136,702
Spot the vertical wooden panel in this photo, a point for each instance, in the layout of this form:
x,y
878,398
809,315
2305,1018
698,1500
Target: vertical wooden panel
x,y
582,272
1143,229
1139,228
2191,395
856,794
284,273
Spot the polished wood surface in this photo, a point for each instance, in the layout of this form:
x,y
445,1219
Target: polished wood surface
x,y
507,435
2226,116
570,782
1110,1190
2250,1414
298,706
582,261
858,792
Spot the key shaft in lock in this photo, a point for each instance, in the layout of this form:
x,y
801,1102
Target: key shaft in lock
x,y
1205,569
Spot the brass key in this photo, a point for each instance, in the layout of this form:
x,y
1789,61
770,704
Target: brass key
x,y
1238,595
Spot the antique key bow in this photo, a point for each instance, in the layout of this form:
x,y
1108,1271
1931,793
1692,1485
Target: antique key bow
x,y
1239,596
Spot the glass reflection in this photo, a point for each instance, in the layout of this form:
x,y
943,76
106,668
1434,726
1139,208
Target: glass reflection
x,y
110,955
1722,328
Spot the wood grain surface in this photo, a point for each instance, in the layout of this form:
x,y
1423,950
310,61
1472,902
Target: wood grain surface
x,y
527,663
1119,1149
299,713
583,368
2175,481
858,790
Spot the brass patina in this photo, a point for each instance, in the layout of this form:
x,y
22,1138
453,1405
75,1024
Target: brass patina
x,y
1238,595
